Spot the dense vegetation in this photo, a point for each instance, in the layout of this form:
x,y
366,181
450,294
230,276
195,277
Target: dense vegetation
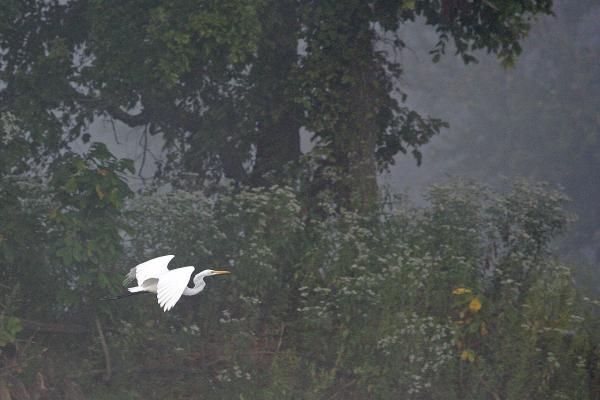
x,y
338,290
460,299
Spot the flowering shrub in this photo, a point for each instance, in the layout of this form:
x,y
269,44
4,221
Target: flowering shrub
x,y
440,302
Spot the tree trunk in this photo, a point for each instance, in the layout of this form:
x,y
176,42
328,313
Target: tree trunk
x,y
273,99
348,87
361,131
355,138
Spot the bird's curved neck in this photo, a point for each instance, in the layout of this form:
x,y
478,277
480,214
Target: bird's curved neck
x,y
198,286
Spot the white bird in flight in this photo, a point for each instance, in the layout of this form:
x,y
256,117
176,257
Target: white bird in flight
x,y
153,276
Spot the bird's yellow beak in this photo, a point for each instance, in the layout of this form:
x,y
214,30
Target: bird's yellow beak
x,y
220,272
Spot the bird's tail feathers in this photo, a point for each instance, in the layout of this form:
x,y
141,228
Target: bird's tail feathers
x,y
129,277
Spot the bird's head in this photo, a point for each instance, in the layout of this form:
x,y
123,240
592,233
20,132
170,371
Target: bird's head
x,y
209,272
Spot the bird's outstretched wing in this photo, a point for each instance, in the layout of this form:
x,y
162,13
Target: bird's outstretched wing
x,y
171,286
149,269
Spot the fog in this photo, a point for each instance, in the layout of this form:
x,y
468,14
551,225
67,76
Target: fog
x,y
538,119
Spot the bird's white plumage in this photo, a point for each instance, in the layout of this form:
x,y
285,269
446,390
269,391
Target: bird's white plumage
x,y
153,276
171,286
151,269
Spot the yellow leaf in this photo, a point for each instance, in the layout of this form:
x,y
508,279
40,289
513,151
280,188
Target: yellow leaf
x,y
475,305
461,290
99,192
467,355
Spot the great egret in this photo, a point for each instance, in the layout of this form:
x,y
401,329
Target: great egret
x,y
153,276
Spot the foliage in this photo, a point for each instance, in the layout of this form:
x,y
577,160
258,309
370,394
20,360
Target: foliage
x,y
61,226
10,326
9,330
229,84
85,223
455,300
23,205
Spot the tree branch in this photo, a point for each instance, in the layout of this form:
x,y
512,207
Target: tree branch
x,y
129,119
108,370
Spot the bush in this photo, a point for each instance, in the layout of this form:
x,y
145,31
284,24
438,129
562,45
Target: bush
x,y
455,300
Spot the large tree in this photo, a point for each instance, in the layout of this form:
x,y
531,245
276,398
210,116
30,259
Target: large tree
x,y
229,84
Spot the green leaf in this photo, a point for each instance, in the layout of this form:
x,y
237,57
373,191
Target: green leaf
x,y
9,328
408,5
71,185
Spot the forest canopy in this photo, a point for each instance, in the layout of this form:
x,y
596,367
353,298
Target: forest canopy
x,y
229,85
